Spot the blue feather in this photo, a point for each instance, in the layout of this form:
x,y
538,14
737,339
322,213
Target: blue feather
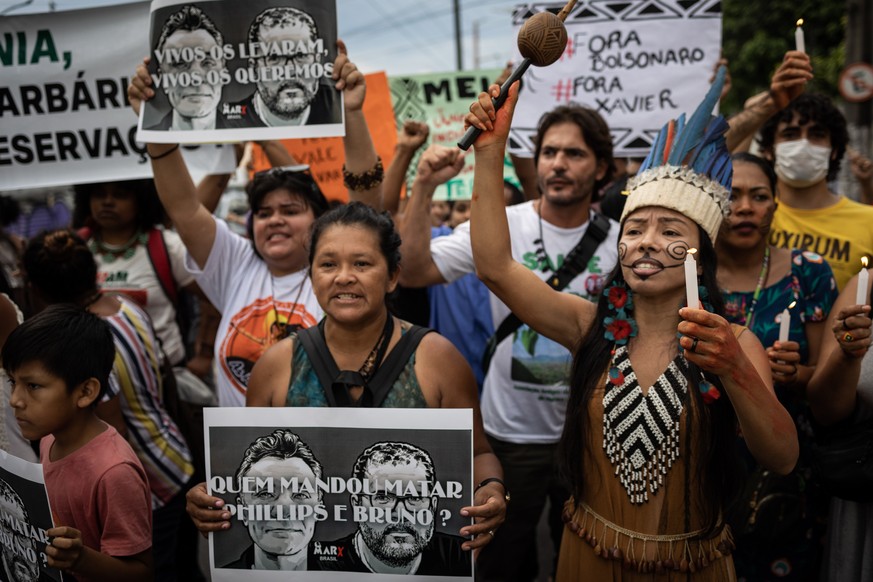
x,y
692,132
657,152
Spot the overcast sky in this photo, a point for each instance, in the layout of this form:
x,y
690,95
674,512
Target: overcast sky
x,y
397,36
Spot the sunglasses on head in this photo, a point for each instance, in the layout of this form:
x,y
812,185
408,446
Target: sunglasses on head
x,y
298,174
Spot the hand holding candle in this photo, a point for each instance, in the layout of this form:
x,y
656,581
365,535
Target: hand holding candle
x,y
799,39
863,280
691,291
785,322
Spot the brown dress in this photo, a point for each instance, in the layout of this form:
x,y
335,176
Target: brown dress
x,y
607,537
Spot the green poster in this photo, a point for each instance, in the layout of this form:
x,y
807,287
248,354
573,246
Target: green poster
x,y
442,100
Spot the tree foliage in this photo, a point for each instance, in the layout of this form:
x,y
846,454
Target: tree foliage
x,y
756,35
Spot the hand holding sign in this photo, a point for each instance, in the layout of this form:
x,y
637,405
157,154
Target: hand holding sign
x,y
66,549
140,88
348,79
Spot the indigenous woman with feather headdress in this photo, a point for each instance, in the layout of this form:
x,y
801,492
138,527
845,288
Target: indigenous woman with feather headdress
x,y
659,389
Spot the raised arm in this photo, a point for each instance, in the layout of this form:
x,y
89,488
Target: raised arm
x,y
788,82
194,223
210,189
276,152
833,388
361,157
438,164
568,317
409,140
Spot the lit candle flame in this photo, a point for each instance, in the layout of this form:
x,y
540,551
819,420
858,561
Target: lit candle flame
x,y
864,261
692,250
792,304
799,22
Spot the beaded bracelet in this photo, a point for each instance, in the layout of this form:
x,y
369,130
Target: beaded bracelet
x,y
369,179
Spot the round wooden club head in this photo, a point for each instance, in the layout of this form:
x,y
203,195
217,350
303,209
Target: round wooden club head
x,y
542,39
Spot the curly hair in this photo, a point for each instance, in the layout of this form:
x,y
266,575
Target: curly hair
x,y
60,267
811,108
393,453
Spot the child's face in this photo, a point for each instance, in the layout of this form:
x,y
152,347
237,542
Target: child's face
x,y
41,401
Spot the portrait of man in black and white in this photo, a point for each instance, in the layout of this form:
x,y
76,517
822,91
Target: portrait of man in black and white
x,y
277,544
405,542
293,83
192,69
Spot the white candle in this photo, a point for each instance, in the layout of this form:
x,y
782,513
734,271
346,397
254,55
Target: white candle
x,y
691,292
785,322
799,40
863,279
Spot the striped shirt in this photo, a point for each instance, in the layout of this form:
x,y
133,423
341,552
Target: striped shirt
x,y
152,434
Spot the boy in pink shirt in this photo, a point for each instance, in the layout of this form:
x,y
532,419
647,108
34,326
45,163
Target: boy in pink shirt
x,y
58,364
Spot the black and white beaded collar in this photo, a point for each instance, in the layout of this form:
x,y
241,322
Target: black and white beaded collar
x,y
641,432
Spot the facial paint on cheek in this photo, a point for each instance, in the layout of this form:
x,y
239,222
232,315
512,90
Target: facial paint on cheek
x,y
677,250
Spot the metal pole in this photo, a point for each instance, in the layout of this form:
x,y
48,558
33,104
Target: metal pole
x,y
456,5
476,59
859,48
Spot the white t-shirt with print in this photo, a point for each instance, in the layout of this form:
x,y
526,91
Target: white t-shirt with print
x,y
525,392
254,307
136,278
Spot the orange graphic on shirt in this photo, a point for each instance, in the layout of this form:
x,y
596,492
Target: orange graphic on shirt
x,y
253,330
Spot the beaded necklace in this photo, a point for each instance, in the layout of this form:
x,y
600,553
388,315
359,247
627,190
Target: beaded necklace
x,y
762,279
112,253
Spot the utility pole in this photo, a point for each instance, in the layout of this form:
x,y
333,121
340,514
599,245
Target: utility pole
x,y
476,59
456,5
859,49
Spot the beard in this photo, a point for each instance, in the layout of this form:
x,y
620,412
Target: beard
x,y
393,553
289,108
21,570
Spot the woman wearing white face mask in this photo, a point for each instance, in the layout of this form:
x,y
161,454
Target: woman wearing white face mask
x,y
806,141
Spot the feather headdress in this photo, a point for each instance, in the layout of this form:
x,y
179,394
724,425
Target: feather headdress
x,y
689,167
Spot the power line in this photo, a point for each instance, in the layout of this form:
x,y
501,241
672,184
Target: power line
x,y
443,12
401,25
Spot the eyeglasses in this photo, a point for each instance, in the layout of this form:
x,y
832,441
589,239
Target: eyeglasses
x,y
385,500
300,58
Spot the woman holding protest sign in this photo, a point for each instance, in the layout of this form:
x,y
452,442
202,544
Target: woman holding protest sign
x,y
386,362
651,419
260,287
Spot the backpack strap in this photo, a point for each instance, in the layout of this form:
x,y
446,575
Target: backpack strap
x,y
331,378
159,257
576,262
322,362
393,365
